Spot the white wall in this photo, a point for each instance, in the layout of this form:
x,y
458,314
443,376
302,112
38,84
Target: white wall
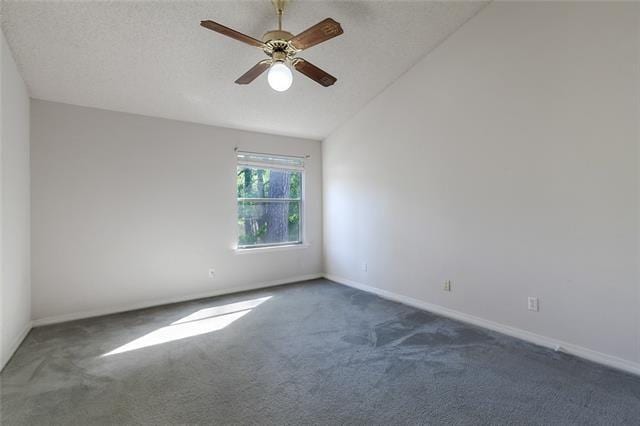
x,y
15,287
638,170
131,211
506,161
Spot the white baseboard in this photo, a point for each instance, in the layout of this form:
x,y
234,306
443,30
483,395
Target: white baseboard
x,y
13,347
158,302
579,351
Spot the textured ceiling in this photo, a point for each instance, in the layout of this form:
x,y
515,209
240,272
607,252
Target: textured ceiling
x,y
153,58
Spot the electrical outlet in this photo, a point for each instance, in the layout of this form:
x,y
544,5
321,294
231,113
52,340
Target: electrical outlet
x,y
212,273
365,267
532,304
447,285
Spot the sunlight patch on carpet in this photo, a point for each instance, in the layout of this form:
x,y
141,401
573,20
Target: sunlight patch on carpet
x,y
203,321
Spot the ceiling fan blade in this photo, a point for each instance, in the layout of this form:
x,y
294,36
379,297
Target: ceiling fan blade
x,y
254,72
314,73
316,34
219,28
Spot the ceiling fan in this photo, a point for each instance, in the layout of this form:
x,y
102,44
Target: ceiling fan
x,y
282,47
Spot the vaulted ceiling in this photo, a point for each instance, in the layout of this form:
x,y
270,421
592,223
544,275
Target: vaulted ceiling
x,y
153,58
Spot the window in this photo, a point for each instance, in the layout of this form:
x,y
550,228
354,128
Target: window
x,y
269,191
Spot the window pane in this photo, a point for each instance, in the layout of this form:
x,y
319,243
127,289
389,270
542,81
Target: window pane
x,y
273,222
269,183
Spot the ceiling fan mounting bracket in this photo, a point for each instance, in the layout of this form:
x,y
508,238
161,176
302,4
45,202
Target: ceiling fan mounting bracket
x,y
279,5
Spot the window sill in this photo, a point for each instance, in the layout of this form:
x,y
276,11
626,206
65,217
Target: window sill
x,y
256,250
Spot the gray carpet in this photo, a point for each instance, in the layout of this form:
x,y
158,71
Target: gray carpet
x,y
313,353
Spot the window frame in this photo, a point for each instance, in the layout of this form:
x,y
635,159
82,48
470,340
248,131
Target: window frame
x,y
302,234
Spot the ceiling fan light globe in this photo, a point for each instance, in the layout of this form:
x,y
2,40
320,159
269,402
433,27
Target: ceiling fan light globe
x,y
279,77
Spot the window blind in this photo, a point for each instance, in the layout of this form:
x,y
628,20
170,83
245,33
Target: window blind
x,y
270,161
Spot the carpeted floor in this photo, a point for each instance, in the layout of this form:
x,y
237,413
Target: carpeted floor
x,y
314,352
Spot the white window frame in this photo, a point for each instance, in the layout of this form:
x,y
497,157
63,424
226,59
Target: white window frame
x,y
257,248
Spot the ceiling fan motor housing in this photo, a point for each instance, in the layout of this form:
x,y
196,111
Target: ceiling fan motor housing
x,y
277,45
277,35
